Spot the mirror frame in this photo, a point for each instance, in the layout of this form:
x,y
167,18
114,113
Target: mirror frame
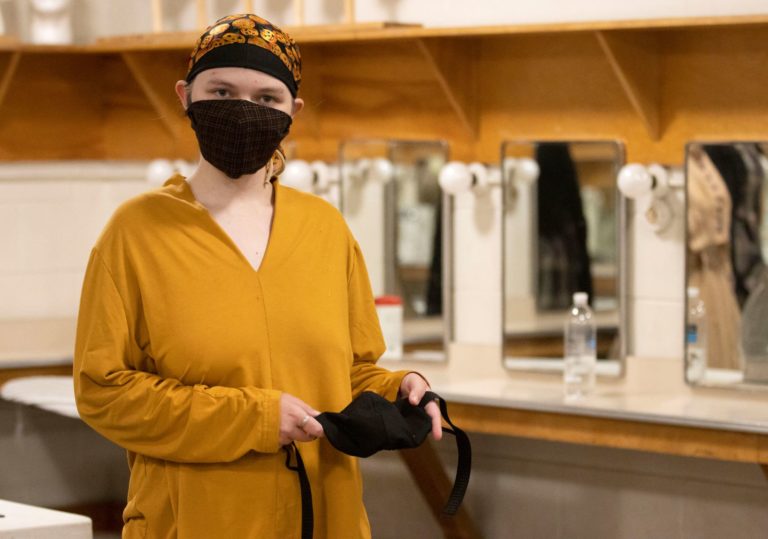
x,y
623,241
390,232
745,387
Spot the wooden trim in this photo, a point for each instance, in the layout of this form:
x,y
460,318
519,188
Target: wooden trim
x,y
622,434
429,476
451,63
8,73
144,80
386,30
634,58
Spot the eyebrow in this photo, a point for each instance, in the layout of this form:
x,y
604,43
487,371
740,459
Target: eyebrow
x,y
221,82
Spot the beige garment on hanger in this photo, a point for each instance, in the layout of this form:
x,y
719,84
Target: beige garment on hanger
x,y
709,260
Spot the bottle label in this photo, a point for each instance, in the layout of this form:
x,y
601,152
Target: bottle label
x,y
692,334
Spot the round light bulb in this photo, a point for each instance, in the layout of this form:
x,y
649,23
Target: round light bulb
x,y
322,174
298,174
159,170
185,168
660,177
480,176
455,178
381,170
634,180
527,170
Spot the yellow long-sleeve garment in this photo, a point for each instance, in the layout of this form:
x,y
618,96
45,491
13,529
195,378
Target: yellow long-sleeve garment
x,y
183,350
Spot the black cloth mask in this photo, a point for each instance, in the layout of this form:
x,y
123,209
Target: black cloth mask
x,y
369,424
237,136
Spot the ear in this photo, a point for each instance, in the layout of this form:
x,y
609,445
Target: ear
x,y
181,91
298,104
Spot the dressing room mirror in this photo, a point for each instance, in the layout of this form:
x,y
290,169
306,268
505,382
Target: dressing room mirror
x,y
393,204
726,340
562,218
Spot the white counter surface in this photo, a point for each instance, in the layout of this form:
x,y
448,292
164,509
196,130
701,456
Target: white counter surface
x,y
19,521
653,402
653,392
692,410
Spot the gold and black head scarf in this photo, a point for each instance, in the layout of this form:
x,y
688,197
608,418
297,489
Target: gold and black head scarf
x,y
246,40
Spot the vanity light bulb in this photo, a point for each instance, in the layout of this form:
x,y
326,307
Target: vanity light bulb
x,y
324,175
660,177
634,180
455,178
481,176
159,170
527,170
185,168
50,6
381,170
298,174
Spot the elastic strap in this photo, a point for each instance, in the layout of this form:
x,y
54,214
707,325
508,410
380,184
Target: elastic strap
x,y
307,516
461,481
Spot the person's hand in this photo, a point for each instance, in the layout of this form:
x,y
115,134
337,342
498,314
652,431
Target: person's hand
x,y
297,421
413,387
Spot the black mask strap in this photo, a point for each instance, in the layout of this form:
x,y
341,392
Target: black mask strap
x,y
307,516
461,481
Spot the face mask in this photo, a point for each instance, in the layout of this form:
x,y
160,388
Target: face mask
x,y
236,136
370,424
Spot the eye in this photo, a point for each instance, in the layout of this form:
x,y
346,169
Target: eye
x,y
221,92
268,99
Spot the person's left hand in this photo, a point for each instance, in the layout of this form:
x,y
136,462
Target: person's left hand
x,y
413,387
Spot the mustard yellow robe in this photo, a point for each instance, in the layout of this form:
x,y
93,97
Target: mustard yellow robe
x,y
183,350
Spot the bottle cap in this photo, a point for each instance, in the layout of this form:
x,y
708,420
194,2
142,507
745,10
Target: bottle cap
x,y
388,300
693,292
580,299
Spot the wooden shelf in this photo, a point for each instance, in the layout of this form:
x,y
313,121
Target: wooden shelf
x,y
652,84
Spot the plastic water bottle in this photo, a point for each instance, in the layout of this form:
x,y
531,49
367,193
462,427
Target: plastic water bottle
x,y
580,349
695,337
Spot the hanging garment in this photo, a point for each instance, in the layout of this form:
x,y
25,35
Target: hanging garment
x,y
709,262
563,259
748,260
739,167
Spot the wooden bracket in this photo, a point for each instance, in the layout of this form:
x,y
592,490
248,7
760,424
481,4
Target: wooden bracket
x,y
452,64
153,91
8,72
635,59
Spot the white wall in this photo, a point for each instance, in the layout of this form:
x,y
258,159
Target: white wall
x,y
95,18
50,217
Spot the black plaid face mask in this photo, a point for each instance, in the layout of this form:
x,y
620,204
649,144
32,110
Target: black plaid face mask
x,y
237,136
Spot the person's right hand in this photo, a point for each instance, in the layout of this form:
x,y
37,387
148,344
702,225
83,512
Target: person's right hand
x,y
297,421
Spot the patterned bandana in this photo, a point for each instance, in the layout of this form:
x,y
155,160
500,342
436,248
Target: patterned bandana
x,y
248,41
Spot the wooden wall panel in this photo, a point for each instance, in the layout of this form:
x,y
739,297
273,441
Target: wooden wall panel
x,y
134,128
652,86
554,87
53,109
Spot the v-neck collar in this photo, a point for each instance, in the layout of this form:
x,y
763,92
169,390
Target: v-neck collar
x,y
181,189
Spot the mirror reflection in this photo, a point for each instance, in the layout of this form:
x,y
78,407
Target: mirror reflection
x,y
562,214
726,277
393,204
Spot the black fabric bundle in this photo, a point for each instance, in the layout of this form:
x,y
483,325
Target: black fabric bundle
x,y
369,424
